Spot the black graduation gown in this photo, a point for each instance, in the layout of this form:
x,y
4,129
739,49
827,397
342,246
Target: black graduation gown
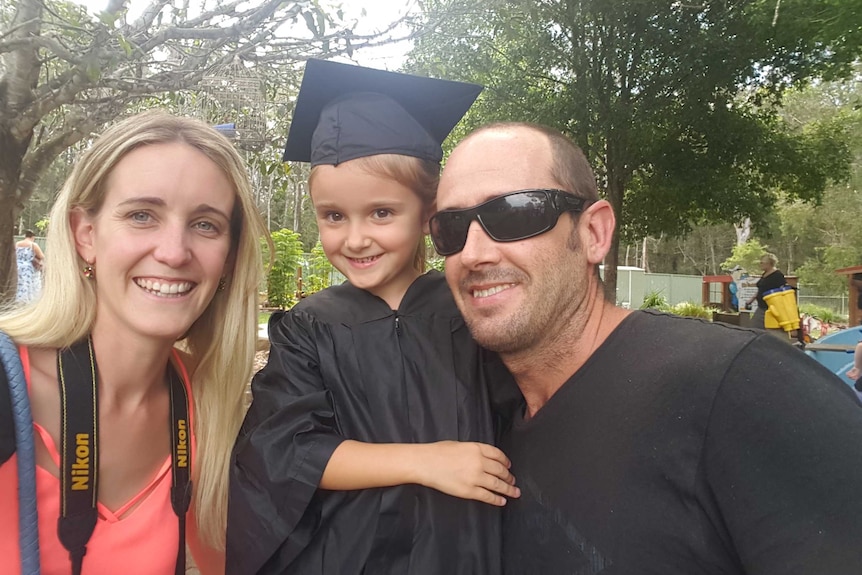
x,y
343,365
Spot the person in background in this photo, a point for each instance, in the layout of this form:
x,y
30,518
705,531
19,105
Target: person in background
x,y
368,445
29,258
138,353
855,372
645,443
770,279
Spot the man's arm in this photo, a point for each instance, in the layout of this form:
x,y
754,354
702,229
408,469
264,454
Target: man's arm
x,y
782,460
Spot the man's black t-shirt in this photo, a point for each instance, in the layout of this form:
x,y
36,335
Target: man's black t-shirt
x,y
682,448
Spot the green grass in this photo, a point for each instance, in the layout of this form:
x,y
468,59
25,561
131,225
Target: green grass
x,y
689,309
655,300
263,317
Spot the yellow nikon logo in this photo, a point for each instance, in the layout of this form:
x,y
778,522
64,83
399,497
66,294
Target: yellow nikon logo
x,y
182,444
81,467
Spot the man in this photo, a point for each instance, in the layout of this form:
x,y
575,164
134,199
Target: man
x,y
645,443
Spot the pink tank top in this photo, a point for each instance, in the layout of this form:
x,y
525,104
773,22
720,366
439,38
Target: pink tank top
x,y
143,542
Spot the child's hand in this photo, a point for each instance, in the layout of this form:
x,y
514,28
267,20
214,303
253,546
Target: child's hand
x,y
853,373
468,470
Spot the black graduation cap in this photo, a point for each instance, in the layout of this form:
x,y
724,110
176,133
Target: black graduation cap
x,y
344,112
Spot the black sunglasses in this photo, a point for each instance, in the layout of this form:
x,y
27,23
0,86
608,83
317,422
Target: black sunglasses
x,y
508,218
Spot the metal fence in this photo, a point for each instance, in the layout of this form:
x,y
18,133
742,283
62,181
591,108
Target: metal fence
x,y
837,303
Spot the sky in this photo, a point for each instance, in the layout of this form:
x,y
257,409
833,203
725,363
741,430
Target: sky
x,y
378,14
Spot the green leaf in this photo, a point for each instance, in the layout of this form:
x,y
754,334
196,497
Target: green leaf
x,y
125,45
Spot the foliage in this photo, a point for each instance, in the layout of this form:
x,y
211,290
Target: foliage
x,y
822,313
700,252
281,280
689,309
319,272
818,276
655,300
747,256
817,241
263,317
811,241
41,226
675,104
433,261
65,72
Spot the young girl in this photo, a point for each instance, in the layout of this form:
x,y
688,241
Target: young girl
x,y
153,267
373,410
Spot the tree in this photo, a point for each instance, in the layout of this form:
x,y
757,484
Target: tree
x,y
319,271
281,285
65,73
747,256
675,104
699,252
812,241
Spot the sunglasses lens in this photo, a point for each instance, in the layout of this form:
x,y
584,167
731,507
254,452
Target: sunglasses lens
x,y
509,218
518,216
449,231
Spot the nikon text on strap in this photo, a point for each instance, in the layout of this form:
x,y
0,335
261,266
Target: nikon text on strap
x,y
181,461
79,436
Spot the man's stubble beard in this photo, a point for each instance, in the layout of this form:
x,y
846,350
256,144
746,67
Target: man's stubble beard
x,y
540,324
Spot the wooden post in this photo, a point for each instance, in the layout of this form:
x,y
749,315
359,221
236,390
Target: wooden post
x,y
853,309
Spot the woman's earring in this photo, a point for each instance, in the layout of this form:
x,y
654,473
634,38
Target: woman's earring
x,y
221,284
89,271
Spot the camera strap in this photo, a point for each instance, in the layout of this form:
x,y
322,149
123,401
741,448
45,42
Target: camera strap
x,y
79,437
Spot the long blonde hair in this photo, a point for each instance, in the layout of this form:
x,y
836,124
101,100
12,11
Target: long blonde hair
x,y
221,341
420,176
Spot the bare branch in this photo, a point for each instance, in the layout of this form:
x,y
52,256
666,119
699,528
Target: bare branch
x,y
36,42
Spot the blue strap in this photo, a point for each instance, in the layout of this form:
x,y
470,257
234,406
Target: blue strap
x,y
28,523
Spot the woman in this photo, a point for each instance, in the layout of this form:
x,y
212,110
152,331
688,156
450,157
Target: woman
x,y
29,257
771,279
152,278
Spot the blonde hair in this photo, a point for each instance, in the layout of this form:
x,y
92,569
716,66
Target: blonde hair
x,y
420,176
221,341
770,258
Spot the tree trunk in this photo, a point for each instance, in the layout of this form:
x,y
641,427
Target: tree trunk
x,y
8,269
10,207
743,231
712,258
612,260
645,256
20,79
297,205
